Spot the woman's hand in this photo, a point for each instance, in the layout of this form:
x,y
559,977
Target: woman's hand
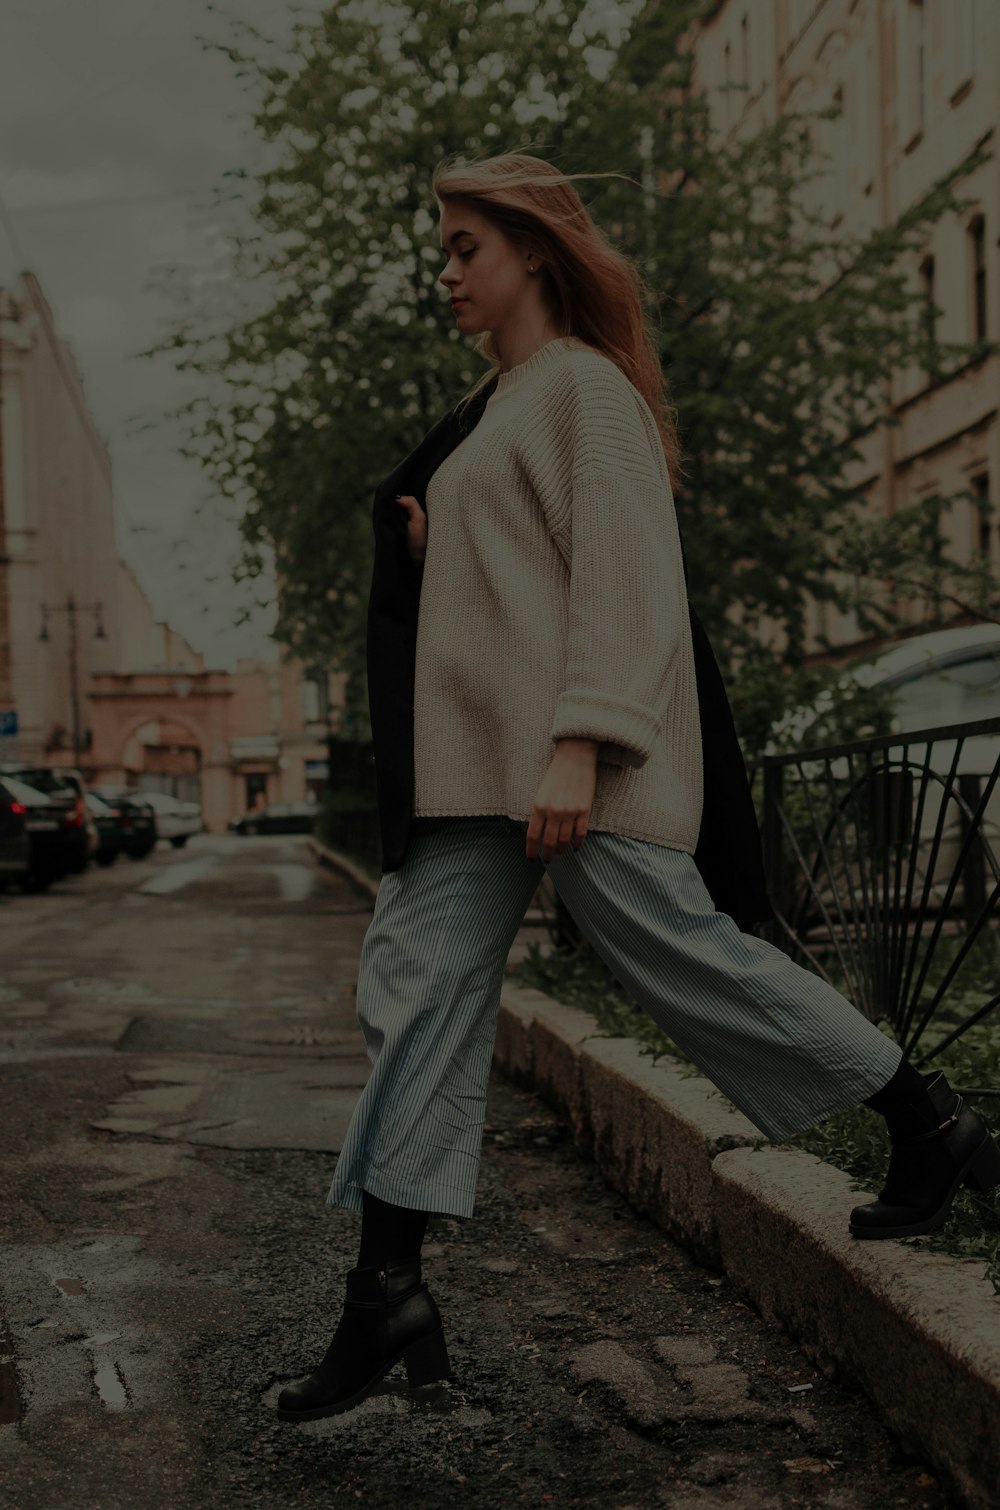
x,y
416,527
564,799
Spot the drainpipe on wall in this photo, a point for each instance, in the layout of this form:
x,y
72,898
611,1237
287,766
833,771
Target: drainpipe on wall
x,y
6,689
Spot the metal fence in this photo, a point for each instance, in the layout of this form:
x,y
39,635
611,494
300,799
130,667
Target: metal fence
x,y
881,858
355,832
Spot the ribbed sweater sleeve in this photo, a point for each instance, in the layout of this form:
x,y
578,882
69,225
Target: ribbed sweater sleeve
x,y
625,606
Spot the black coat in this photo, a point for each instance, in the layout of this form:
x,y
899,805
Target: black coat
x,y
728,852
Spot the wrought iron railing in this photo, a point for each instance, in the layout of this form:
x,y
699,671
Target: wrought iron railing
x,y
881,859
355,832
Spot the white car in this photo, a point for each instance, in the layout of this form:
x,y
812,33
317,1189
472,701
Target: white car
x,y
947,677
950,676
175,820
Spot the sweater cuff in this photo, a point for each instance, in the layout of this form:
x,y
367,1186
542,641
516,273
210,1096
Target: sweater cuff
x,y
609,753
625,731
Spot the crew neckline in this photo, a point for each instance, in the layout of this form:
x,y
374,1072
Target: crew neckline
x,y
539,359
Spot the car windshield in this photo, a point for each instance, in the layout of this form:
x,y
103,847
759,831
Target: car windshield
x,y
946,695
22,792
42,779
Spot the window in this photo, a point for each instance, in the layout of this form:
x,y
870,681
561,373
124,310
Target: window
x,y
840,156
983,519
977,260
727,87
310,702
929,313
912,69
960,51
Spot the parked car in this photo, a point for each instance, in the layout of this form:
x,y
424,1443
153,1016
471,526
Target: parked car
x,y
65,788
108,829
136,821
946,677
15,842
54,846
277,818
175,820
949,676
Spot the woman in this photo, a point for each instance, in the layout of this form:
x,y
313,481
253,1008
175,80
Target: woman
x,y
555,723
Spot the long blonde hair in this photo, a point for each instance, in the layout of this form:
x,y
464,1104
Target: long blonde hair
x,y
593,291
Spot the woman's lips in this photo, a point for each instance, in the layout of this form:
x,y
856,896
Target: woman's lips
x,y
457,303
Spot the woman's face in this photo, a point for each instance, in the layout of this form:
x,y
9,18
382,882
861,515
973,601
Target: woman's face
x,y
485,270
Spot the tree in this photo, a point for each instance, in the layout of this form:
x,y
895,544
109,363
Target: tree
x,y
778,337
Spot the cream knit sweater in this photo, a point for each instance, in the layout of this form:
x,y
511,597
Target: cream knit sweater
x,y
553,604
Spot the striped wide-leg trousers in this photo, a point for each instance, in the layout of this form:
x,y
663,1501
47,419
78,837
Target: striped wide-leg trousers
x,y
777,1040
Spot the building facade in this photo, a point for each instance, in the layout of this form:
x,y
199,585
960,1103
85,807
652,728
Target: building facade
x,y
919,86
88,676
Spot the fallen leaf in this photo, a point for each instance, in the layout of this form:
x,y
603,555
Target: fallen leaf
x,y
807,1465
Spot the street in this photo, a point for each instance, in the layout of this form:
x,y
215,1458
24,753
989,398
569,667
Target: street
x,y
178,1061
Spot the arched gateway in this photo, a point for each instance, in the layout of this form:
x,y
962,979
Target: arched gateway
x,y
166,730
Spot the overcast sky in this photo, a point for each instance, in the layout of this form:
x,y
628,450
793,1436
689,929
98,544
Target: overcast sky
x,y
116,126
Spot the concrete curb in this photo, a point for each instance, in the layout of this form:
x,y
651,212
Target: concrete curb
x,y
334,860
919,1332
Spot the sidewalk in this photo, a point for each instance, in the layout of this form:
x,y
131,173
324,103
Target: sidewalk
x,y
919,1332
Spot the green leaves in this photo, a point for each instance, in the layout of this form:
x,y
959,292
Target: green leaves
x,y
779,334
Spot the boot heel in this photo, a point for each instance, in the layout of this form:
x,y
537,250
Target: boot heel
x,y
984,1172
427,1360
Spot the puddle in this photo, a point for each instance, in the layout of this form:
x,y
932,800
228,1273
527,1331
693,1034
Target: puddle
x,y
110,1387
70,1286
296,882
178,876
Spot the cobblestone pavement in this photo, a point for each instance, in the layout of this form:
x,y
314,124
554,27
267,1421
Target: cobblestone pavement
x,y
158,1287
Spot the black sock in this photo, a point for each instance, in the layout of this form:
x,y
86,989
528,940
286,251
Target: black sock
x,y
389,1234
904,1102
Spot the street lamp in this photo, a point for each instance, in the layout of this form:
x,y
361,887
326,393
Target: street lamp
x,y
72,608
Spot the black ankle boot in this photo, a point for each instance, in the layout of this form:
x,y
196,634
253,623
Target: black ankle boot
x,y
927,1168
389,1314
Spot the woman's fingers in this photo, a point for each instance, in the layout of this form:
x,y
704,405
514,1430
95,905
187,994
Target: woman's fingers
x,y
416,525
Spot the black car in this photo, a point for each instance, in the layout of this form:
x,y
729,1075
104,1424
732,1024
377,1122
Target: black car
x,y
65,791
277,818
134,821
53,845
15,842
